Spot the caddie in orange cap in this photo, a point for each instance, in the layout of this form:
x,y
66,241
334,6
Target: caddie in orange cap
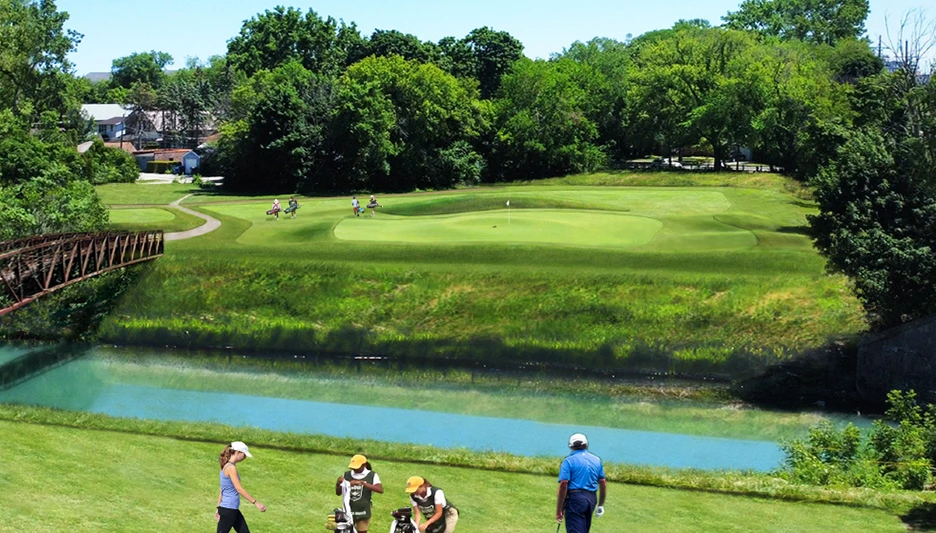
x,y
430,502
355,488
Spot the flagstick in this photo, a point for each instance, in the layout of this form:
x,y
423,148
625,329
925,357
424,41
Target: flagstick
x,y
508,212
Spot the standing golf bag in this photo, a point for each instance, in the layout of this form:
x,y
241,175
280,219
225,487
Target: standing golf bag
x,y
339,521
403,521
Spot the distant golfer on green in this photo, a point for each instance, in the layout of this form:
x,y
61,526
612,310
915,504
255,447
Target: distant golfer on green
x,y
373,204
355,488
228,514
356,206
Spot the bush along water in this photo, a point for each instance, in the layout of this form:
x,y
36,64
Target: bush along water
x,y
896,453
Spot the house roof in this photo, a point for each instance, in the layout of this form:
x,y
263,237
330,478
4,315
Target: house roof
x,y
111,121
99,112
95,77
125,146
166,155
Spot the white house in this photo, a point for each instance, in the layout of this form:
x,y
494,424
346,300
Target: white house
x,y
109,119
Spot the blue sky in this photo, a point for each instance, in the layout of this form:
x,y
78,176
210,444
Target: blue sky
x,y
201,28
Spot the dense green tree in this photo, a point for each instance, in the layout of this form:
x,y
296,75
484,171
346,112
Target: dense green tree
x,y
283,35
493,53
876,225
34,47
605,82
542,128
805,112
816,21
103,164
43,181
401,124
140,67
877,209
697,81
405,45
852,60
276,143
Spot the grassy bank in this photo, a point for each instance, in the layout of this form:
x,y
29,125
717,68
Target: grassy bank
x,y
111,468
726,284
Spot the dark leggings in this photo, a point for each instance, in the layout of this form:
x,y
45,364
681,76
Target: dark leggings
x,y
231,518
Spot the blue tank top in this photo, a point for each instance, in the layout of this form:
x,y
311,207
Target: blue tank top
x,y
230,499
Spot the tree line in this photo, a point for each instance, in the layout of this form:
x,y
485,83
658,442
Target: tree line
x,y
308,104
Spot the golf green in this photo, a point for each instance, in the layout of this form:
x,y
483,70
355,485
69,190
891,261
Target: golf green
x,y
541,226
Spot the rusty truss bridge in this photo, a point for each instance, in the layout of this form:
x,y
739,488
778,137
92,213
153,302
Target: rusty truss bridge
x,y
35,266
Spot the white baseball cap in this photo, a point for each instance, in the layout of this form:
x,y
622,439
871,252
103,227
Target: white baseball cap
x,y
239,446
578,439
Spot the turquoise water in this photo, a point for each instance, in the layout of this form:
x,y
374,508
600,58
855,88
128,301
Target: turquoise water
x,y
9,353
81,386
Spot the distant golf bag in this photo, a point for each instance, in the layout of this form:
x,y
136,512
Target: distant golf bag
x,y
339,521
273,211
291,208
403,521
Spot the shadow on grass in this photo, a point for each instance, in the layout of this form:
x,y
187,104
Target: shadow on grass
x,y
921,518
796,230
488,352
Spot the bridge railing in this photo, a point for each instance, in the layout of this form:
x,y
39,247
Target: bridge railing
x,y
35,266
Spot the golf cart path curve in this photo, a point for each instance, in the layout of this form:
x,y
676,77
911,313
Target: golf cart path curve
x,y
210,224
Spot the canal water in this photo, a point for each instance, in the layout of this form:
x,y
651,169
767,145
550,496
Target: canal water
x,y
81,385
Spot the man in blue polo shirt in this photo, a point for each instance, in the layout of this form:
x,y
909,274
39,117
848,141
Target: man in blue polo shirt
x,y
580,476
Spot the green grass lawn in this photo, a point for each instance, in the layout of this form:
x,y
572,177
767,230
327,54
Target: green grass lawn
x,y
143,193
717,276
151,218
80,480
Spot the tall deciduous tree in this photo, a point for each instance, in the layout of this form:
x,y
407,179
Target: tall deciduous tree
x,y
698,79
34,47
877,204
542,127
277,143
401,124
140,67
494,52
816,21
605,82
805,112
405,45
283,35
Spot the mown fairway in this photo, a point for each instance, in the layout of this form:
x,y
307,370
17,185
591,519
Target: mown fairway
x,y
77,480
689,279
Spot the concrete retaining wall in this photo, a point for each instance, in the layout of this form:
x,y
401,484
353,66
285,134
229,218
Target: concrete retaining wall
x,y
902,358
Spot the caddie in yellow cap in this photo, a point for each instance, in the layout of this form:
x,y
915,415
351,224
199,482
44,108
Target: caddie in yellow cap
x,y
439,513
355,488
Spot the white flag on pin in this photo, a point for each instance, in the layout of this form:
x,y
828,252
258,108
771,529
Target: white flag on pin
x,y
508,203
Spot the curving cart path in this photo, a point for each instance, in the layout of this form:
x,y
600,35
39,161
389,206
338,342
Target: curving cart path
x,y
210,224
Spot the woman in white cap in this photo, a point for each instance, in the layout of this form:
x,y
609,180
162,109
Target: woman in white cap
x,y
430,502
355,487
228,514
372,205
